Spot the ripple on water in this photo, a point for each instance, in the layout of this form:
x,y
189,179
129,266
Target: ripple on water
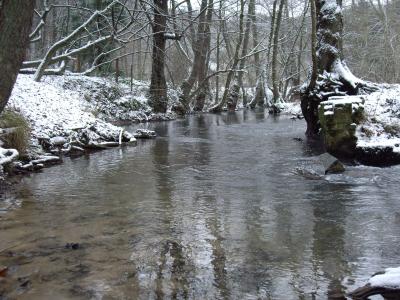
x,y
210,209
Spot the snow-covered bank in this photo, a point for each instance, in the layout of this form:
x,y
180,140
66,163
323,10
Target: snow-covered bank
x,y
380,131
59,104
69,114
365,127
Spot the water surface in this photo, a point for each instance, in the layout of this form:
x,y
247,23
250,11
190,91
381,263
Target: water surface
x,y
211,209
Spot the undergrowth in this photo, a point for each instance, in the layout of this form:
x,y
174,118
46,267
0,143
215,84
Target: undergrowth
x,y
18,138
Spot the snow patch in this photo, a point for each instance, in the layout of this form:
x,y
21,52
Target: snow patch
x,y
390,279
381,128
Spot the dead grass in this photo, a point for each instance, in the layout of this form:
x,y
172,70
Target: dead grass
x,y
18,138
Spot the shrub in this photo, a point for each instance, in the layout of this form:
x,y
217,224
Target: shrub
x,y
18,138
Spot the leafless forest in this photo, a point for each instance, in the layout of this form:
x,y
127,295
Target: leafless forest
x,y
202,47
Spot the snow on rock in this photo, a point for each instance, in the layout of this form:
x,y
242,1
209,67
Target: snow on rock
x,y
381,128
7,156
390,279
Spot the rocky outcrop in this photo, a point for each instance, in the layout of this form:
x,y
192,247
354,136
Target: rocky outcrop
x,y
339,117
357,127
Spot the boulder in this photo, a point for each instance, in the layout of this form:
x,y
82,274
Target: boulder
x,y
58,141
317,167
8,155
330,164
385,283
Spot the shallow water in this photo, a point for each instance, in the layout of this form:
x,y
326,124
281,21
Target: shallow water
x,y
211,209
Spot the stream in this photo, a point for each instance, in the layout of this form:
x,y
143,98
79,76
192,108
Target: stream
x,y
210,209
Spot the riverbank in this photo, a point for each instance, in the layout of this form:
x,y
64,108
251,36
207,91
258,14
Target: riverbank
x,y
378,135
71,115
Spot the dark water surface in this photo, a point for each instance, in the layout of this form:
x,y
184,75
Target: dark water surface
x,y
211,209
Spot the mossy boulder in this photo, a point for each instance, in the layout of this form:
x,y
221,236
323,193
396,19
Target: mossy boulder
x,y
339,117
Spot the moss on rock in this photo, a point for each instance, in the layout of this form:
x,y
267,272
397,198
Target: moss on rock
x,y
339,117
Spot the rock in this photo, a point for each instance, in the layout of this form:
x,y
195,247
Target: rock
x,y
317,167
72,246
330,163
144,134
167,116
339,117
58,141
3,271
386,284
8,155
308,173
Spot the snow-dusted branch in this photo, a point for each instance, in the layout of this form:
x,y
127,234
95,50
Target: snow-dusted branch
x,y
47,60
36,33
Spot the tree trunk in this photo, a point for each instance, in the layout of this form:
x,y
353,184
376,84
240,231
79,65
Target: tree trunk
x,y
203,68
198,61
335,79
260,94
218,107
158,85
275,83
235,90
15,25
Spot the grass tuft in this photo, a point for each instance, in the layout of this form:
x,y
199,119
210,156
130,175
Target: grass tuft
x,y
18,138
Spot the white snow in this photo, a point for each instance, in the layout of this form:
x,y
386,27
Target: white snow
x,y
292,108
390,279
50,109
7,155
343,72
60,104
68,113
382,125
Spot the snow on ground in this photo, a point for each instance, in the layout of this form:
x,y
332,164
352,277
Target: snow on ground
x,y
382,125
77,110
292,108
58,105
390,279
50,110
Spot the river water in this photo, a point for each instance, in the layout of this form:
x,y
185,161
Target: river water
x,y
211,209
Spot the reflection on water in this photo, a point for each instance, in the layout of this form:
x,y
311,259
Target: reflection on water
x,y
211,209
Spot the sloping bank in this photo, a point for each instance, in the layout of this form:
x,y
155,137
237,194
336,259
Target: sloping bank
x,y
365,127
70,115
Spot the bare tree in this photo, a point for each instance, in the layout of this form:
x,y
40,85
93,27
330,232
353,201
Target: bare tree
x,y
113,32
334,77
275,81
158,85
231,72
199,47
